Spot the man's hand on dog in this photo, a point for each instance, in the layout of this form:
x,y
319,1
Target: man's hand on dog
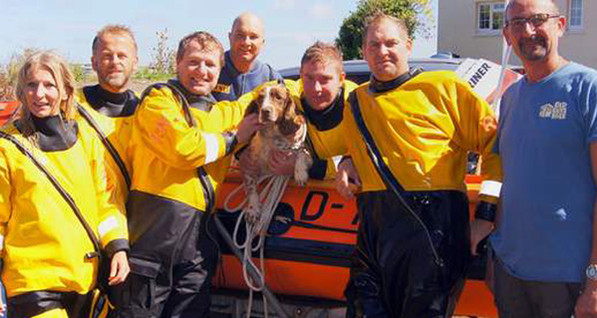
x,y
282,163
247,127
347,179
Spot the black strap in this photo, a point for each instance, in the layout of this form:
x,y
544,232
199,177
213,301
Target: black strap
x,y
373,151
32,304
209,192
65,195
111,149
383,170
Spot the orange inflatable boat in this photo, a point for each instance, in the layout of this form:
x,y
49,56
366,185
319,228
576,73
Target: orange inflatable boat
x,y
7,109
309,244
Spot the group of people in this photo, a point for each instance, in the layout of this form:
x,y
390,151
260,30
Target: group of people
x,y
103,175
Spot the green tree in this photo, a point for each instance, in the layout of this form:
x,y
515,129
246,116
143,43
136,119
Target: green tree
x,y
162,54
78,73
417,14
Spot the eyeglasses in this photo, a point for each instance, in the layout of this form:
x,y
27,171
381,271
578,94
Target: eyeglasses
x,y
535,20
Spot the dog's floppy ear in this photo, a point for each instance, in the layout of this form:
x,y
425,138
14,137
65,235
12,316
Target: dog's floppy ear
x,y
253,108
291,121
290,110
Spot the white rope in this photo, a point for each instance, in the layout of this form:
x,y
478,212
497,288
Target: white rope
x,y
269,198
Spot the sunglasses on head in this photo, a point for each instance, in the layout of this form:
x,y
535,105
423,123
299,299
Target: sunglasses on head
x,y
535,20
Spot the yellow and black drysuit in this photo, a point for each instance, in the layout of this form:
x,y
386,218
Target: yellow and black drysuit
x,y
322,125
413,263
49,259
180,146
111,115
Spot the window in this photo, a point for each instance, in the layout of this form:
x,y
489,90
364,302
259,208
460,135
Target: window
x,y
576,14
490,17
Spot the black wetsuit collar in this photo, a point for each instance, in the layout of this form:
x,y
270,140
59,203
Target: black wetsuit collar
x,y
111,104
328,118
53,134
376,86
201,102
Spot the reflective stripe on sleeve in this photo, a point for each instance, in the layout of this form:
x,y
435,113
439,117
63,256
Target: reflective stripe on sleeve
x,y
336,160
107,225
491,188
212,147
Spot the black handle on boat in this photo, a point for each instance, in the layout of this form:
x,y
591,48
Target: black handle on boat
x,y
271,298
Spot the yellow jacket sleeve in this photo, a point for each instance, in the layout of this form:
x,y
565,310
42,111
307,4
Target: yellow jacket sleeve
x,y
112,226
5,200
161,122
477,128
226,115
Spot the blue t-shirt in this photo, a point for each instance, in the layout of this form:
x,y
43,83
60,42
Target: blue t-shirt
x,y
232,84
544,133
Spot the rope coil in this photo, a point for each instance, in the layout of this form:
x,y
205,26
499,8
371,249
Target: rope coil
x,y
270,195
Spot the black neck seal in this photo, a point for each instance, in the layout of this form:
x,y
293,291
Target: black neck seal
x,y
376,86
328,118
111,104
54,134
201,102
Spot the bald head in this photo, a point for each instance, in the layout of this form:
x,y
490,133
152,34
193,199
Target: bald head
x,y
516,6
248,18
246,40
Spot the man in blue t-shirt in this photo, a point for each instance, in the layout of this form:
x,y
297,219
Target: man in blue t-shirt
x,y
242,71
545,262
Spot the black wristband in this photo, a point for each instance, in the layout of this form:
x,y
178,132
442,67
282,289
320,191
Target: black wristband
x,y
116,246
231,141
486,211
240,151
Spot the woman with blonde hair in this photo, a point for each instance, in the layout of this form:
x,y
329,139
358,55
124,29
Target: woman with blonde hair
x,y
56,217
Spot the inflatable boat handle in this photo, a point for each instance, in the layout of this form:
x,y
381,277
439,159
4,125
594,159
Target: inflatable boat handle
x,y
272,299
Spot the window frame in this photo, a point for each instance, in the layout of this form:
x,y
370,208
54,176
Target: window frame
x,y
492,11
580,26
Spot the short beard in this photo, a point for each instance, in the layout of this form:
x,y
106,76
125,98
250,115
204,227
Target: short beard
x,y
533,55
115,84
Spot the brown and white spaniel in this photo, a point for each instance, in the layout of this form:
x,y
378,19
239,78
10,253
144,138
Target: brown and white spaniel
x,y
285,129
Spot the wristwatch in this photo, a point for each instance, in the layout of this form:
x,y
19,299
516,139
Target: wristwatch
x,y
591,272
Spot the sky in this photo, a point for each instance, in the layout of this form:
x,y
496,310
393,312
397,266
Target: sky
x,y
68,26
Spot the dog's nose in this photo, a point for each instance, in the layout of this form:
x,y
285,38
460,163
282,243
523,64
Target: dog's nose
x,y
266,112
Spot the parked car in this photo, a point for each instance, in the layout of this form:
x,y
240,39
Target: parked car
x,y
307,259
358,70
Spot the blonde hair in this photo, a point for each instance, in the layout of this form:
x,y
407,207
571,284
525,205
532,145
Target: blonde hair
x,y
65,83
113,29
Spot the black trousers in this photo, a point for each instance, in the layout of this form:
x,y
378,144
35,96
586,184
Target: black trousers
x,y
172,262
517,298
394,272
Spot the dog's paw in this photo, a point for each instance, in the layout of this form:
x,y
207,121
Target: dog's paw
x,y
301,177
252,214
252,209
